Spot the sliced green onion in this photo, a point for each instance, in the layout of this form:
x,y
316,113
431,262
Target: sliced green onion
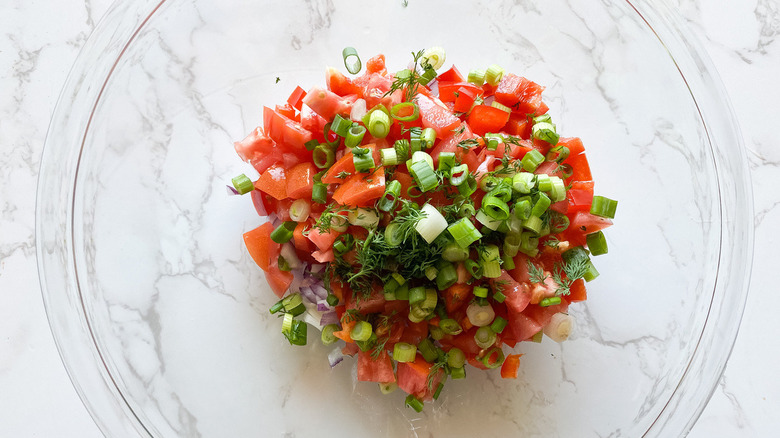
x,y
493,358
558,154
490,260
430,272
319,192
549,301
480,314
300,210
523,182
543,182
389,157
558,222
499,296
293,304
364,162
387,388
494,74
276,308
417,314
453,252
416,295
458,373
468,187
545,131
541,205
361,331
459,174
390,286
597,243
435,332
311,144
355,135
323,156
363,217
591,273
487,221
558,189
340,125
456,358
512,242
523,208
427,76
397,109
446,161
508,263
427,350
566,170
332,300
414,403
603,207
467,210
477,77
401,150
533,223
402,293
481,292
560,327
446,277
464,232
379,124
495,208
392,191
431,298
543,118
399,278
287,322
531,161
473,268
575,255
424,175
392,236
327,335
502,191
427,138
529,244
351,60
403,352
502,107
367,344
537,337
243,184
430,226
282,264
434,57
488,183
284,232
298,334
450,326
485,337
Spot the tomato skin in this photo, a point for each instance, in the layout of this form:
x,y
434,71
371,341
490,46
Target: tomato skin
x,y
510,366
286,110
447,90
580,167
573,143
296,98
301,242
520,273
361,189
579,197
273,182
260,246
437,117
585,223
578,292
375,370
300,180
484,119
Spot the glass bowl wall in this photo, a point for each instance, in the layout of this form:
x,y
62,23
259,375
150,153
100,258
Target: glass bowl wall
x,y
160,315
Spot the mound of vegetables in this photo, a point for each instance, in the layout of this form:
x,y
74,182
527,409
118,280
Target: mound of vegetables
x,y
422,220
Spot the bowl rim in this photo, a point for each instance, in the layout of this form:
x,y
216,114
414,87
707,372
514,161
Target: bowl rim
x,y
76,343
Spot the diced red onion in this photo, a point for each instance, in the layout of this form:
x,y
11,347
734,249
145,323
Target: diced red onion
x,y
329,318
274,219
315,268
231,191
309,294
335,357
257,200
323,306
320,291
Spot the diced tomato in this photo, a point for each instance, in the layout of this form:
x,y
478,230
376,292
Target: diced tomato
x,y
465,99
415,332
448,90
573,143
340,84
313,122
375,370
580,196
350,349
286,110
285,131
520,94
326,103
256,144
324,256
522,326
560,207
361,189
413,378
273,181
587,223
456,295
519,126
323,241
510,366
578,292
520,273
517,294
406,182
465,341
296,98
300,180
375,86
450,144
278,280
451,75
301,242
436,116
260,246
376,64
484,118
543,315
346,165
580,168
374,303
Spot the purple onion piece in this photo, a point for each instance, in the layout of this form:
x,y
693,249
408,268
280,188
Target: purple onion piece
x,y
335,357
257,200
329,318
231,191
308,294
322,306
320,291
317,267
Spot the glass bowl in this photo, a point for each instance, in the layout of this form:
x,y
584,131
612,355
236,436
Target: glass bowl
x,y
160,314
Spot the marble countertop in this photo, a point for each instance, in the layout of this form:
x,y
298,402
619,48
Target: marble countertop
x,y
38,44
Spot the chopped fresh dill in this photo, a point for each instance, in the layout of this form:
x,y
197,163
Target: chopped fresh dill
x,y
567,273
409,82
535,273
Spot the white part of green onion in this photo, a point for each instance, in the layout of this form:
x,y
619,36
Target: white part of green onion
x,y
290,256
501,106
299,210
358,111
494,74
422,156
480,316
432,224
435,56
487,221
560,327
558,192
389,156
339,223
363,217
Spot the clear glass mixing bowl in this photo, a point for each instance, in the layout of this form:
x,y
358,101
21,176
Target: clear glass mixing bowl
x,y
160,315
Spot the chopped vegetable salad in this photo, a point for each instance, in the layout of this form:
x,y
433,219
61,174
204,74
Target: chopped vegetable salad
x,y
422,219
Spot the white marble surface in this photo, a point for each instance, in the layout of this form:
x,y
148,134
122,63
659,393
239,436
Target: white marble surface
x,y
39,42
